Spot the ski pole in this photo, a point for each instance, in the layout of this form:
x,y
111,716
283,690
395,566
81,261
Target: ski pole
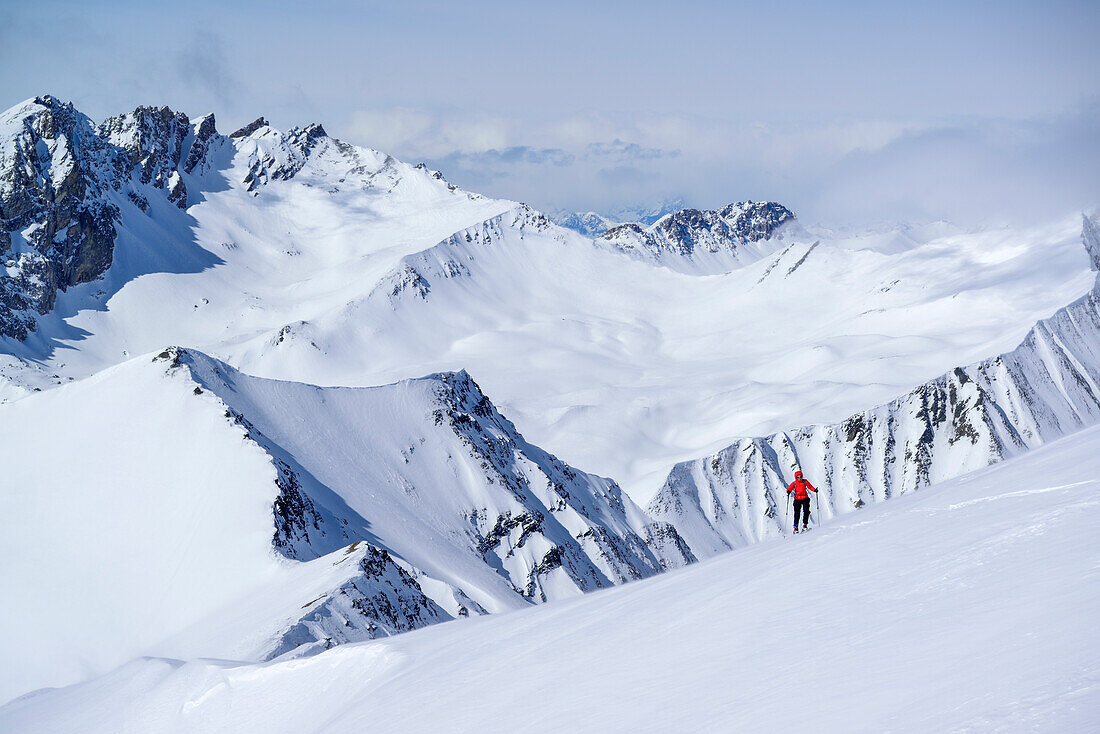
x,y
817,501
787,513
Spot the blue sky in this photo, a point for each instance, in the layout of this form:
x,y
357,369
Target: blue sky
x,y
845,111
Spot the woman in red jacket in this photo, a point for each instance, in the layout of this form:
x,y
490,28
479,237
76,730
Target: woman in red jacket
x,y
801,499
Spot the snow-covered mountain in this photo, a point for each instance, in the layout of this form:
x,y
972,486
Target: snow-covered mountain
x,y
76,197
412,504
966,607
586,223
284,260
709,241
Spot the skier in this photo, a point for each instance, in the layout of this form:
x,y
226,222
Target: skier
x,y
801,499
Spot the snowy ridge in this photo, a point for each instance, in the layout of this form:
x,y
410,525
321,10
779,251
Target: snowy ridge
x,y
310,516
542,527
964,420
710,241
454,256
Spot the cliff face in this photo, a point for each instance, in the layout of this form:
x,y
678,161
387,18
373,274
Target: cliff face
x,y
56,220
67,185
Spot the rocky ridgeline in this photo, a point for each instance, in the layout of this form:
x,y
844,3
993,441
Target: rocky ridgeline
x,y
547,530
379,600
65,183
964,420
708,239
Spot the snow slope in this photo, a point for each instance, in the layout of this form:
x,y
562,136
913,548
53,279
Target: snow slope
x,y
967,607
166,498
964,420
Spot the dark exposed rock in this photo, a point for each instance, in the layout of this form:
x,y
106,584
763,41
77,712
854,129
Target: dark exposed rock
x,y
382,600
249,128
61,182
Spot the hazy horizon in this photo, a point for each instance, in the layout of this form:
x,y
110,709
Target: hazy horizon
x,y
862,112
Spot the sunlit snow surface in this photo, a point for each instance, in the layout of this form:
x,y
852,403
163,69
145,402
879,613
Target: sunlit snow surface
x,y
967,607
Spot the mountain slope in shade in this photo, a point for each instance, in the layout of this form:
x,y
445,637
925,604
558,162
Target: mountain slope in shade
x,y
966,607
300,517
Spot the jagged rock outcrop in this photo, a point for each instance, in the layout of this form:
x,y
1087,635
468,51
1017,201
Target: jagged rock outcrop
x,y
66,183
62,183
380,600
56,222
281,155
964,420
705,241
148,143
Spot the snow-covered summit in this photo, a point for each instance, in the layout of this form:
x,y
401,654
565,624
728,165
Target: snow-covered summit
x,y
68,187
708,241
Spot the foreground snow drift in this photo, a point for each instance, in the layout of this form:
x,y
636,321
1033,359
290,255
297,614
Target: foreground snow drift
x,y
970,606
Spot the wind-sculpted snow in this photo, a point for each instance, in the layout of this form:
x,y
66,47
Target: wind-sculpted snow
x,y
964,420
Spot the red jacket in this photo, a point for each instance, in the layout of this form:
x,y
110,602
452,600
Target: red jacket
x,y
799,487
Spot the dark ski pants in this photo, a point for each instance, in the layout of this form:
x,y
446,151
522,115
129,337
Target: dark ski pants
x,y
803,505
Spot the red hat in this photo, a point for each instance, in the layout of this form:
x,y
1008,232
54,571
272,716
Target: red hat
x,y
798,473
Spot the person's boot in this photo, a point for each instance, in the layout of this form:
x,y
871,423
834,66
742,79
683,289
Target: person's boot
x,y
796,530
805,527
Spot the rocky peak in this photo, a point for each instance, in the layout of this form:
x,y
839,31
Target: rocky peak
x,y
728,236
56,226
60,180
152,140
249,128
